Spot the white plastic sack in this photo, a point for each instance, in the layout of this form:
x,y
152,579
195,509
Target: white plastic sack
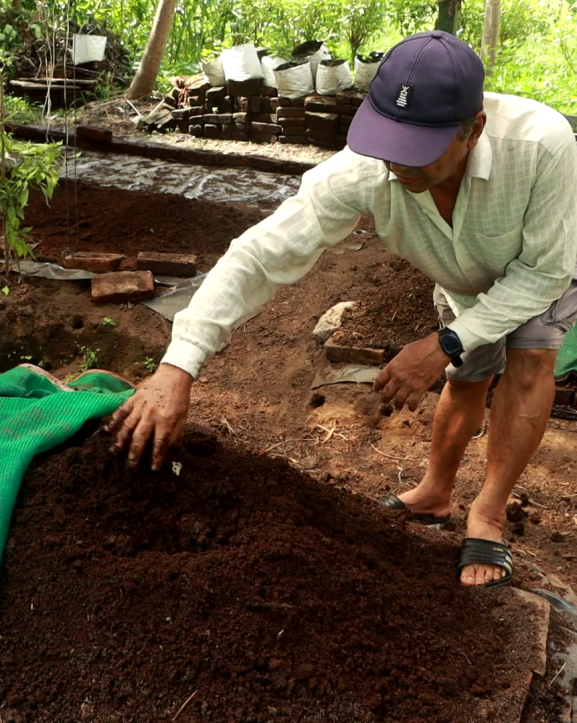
x,y
88,48
213,72
294,80
365,71
241,63
268,66
332,76
313,51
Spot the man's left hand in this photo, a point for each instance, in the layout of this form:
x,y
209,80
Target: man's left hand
x,y
408,376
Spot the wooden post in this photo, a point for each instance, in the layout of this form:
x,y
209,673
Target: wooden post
x,y
3,174
449,15
490,34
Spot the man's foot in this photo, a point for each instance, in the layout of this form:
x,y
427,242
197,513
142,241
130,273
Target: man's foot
x,y
481,526
424,499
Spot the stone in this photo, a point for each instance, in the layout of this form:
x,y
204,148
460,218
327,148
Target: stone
x,y
331,320
164,264
564,397
289,131
350,97
290,113
294,123
323,122
345,122
259,137
321,104
211,130
300,140
265,128
98,135
326,140
263,117
218,118
305,671
250,87
213,95
336,351
98,263
120,287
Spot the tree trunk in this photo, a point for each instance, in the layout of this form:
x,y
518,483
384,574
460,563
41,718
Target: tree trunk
x,y
490,34
145,77
449,16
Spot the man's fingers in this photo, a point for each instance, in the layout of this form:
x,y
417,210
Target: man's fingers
x,y
401,397
164,438
382,379
413,400
125,432
118,417
140,437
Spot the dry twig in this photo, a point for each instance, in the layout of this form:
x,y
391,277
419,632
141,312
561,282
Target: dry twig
x,y
561,669
392,456
183,706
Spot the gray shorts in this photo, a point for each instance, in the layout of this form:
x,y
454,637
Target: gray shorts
x,y
546,331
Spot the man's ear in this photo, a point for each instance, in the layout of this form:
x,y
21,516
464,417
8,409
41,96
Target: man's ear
x,y
477,129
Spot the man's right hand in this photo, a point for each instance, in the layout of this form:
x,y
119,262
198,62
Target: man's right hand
x,y
157,410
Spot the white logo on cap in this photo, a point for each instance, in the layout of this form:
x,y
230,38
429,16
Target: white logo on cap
x,y
403,98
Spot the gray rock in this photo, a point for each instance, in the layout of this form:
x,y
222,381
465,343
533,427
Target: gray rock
x,y
331,320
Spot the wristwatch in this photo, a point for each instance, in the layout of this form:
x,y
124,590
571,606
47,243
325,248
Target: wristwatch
x,y
451,345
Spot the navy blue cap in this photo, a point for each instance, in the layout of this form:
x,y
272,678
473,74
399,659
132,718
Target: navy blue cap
x,y
426,86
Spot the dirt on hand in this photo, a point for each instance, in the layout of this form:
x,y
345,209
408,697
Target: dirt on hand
x,y
271,596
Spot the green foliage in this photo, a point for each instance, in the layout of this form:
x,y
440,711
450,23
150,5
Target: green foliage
x,y
19,110
89,358
30,166
107,321
150,365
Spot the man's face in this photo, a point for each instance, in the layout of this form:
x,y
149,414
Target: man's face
x,y
450,166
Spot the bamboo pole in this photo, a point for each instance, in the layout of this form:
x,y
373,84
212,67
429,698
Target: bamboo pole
x,y
490,37
3,170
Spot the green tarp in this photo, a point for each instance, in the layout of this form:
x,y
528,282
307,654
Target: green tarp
x,y
567,357
36,415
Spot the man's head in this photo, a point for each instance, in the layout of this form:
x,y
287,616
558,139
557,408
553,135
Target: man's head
x,y
427,87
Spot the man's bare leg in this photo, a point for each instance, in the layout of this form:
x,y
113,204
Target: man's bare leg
x,y
458,416
519,414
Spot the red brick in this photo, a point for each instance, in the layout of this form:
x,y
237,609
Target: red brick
x,y
218,118
290,113
323,122
564,397
344,123
321,104
95,262
163,264
265,128
293,122
290,131
300,140
122,286
263,117
350,97
335,352
259,137
101,135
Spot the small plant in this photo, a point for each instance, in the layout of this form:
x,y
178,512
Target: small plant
x,y
22,166
107,321
150,365
89,357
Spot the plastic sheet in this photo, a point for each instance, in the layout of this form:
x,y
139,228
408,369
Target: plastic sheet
x,y
233,185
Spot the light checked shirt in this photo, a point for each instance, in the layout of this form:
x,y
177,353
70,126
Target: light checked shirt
x,y
510,253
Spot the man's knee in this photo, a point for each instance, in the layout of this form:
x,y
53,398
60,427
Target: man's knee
x,y
530,367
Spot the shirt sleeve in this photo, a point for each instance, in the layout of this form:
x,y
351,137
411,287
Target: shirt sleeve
x,y
544,268
281,249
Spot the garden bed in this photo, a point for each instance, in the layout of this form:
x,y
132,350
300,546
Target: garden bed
x,y
266,594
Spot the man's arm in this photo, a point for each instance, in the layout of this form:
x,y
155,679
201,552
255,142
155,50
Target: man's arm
x,y
279,250
546,264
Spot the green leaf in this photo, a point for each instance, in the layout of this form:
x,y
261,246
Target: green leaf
x,y
5,290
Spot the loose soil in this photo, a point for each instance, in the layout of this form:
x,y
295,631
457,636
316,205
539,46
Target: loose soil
x,y
274,596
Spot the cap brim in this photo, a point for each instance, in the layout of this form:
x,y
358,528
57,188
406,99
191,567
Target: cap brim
x,y
375,135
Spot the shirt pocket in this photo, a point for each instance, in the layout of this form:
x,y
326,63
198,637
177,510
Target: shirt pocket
x,y
499,250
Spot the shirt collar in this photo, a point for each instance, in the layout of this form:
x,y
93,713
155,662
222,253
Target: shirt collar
x,y
480,160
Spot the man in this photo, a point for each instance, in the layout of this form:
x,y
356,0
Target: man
x,y
477,192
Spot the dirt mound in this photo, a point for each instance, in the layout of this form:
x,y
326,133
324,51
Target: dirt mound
x,y
272,596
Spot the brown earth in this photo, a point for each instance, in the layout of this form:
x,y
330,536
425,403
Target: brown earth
x,y
257,393
273,596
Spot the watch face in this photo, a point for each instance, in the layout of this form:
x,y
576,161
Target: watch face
x,y
450,342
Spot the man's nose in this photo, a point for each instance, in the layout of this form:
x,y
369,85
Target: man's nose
x,y
398,169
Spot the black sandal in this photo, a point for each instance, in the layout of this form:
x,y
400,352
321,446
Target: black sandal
x,y
392,502
475,551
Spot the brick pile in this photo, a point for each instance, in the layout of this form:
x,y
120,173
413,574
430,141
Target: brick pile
x,y
230,113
